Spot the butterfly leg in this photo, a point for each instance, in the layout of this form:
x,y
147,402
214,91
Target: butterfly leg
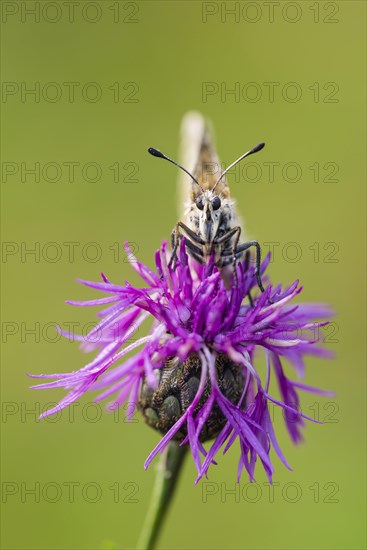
x,y
181,230
195,252
175,241
246,266
234,233
246,246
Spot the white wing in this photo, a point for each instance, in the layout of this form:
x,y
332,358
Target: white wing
x,y
199,157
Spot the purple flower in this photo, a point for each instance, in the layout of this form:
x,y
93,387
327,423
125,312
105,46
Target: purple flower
x,y
193,376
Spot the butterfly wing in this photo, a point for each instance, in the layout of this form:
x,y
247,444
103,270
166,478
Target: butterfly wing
x,y
198,155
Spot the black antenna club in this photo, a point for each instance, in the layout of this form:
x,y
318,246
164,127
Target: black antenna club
x,y
158,154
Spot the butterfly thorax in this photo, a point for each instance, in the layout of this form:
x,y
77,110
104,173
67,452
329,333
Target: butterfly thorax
x,y
211,223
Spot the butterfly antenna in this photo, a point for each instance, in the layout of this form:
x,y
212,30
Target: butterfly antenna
x,y
253,150
158,154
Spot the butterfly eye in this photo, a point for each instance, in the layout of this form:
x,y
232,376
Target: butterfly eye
x,y
199,203
216,203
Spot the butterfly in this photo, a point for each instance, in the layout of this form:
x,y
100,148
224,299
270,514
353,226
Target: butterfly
x,y
210,224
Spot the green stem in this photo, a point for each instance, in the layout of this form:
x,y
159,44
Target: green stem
x,y
168,470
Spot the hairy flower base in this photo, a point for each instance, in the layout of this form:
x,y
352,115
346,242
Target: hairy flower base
x,y
193,375
177,387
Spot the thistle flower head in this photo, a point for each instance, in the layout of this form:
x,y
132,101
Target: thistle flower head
x,y
194,376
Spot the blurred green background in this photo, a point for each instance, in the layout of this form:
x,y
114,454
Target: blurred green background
x,y
149,62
